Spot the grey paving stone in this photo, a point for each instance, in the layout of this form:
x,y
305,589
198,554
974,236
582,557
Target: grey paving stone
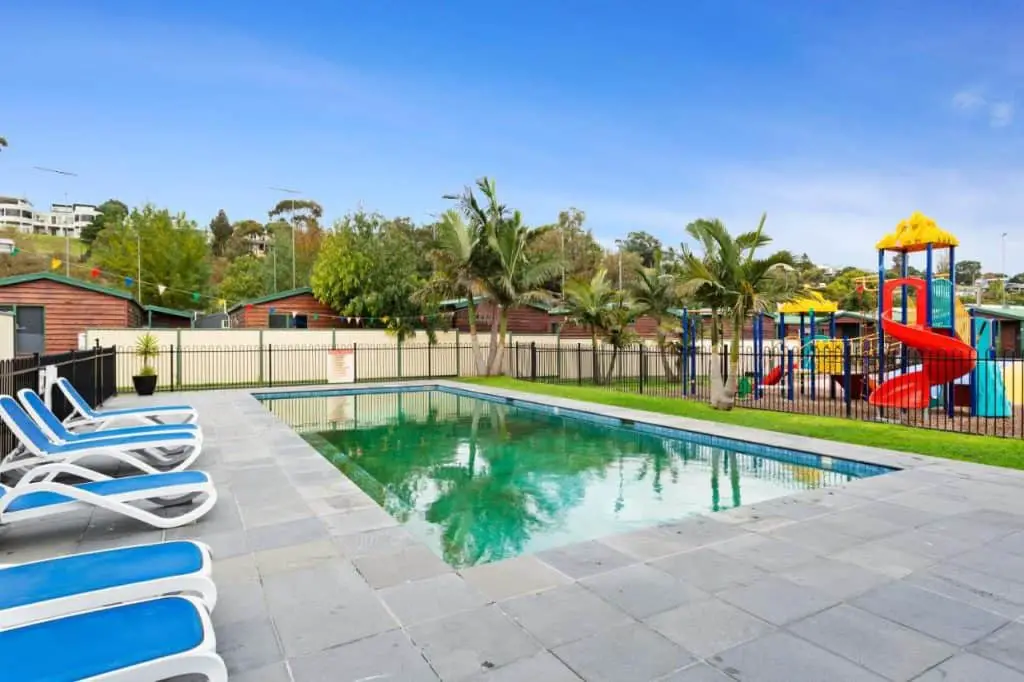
x,y
699,672
239,600
893,562
223,545
358,521
708,627
380,541
898,514
709,570
854,523
988,592
308,627
642,591
624,654
768,553
993,561
781,657
286,534
778,600
837,579
932,545
422,600
248,645
272,507
1004,646
471,642
652,543
585,558
239,568
563,614
275,672
329,582
542,667
411,563
879,645
291,558
815,535
931,613
388,656
970,668
701,531
521,575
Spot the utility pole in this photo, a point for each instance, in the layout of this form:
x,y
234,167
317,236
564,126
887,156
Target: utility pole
x,y
293,193
1006,275
618,243
67,231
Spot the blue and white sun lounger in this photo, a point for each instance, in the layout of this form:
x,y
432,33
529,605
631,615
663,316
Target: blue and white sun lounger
x,y
37,495
152,453
83,416
47,589
142,641
55,430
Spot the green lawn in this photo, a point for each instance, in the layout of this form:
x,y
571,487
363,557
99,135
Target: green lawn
x,y
43,243
1005,452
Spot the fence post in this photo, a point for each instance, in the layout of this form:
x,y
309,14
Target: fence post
x,y
177,360
847,377
270,364
259,356
789,373
643,367
430,367
355,376
398,349
458,355
579,363
533,361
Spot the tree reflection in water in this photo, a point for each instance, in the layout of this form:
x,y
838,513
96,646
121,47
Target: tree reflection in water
x,y
491,479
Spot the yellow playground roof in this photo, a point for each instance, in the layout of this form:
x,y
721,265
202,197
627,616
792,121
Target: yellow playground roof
x,y
915,234
806,301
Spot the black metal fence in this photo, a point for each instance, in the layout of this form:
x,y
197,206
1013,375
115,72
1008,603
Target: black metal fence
x,y
91,372
836,383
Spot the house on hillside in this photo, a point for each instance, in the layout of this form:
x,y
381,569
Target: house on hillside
x,y
51,310
293,309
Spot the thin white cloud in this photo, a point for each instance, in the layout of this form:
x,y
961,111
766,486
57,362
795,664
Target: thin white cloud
x,y
968,100
1000,114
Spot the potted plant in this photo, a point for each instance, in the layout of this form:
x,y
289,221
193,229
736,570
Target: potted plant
x,y
148,348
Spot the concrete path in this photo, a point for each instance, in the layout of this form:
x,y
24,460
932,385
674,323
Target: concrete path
x,y
915,575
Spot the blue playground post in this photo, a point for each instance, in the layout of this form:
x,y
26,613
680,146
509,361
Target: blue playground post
x,y
928,277
831,325
847,379
973,376
682,350
950,398
812,355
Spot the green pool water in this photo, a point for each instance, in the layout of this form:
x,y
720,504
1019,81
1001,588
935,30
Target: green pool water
x,y
480,481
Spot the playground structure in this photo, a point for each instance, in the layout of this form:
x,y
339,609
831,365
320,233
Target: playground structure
x,y
924,354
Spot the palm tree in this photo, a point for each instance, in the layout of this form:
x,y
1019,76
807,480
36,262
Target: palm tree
x,y
3,142
618,330
587,303
517,279
456,271
655,295
730,280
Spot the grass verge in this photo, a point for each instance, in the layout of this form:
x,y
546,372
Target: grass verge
x,y
1004,452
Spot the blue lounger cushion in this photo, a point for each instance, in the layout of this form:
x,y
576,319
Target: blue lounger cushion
x,y
97,642
38,406
67,576
155,409
114,486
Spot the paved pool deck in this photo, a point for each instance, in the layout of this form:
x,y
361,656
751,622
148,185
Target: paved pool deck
x,y
914,575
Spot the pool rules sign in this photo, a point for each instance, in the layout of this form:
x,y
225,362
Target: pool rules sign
x,y
341,366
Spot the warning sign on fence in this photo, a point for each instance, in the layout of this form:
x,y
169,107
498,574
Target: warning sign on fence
x,y
341,366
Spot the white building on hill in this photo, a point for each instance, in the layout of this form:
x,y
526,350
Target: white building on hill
x,y
62,220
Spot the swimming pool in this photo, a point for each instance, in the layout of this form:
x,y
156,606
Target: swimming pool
x,y
479,478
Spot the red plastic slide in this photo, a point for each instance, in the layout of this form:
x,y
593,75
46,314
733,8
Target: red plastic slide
x,y
773,377
943,358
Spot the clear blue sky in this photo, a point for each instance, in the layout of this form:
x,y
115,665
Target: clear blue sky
x,y
838,119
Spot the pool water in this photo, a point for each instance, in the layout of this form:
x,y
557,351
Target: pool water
x,y
480,480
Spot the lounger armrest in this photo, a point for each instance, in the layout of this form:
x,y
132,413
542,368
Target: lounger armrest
x,y
57,468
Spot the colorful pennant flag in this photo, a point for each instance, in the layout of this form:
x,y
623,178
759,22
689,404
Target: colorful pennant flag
x,y
94,273
160,288
55,263
196,296
128,281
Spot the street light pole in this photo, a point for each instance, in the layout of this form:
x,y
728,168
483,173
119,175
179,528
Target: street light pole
x,y
67,233
618,243
1006,275
293,193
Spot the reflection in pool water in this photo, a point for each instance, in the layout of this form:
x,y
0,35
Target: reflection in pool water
x,y
481,481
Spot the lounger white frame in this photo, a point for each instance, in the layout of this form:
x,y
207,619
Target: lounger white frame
x,y
198,584
40,479
147,457
84,416
201,660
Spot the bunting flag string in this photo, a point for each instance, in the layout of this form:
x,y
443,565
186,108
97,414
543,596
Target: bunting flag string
x,y
130,281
